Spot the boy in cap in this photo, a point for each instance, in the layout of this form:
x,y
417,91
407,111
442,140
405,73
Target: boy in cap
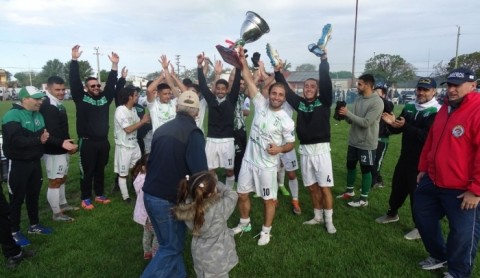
x,y
414,122
449,179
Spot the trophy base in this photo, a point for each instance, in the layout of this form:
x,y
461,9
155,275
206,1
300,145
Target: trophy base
x,y
230,56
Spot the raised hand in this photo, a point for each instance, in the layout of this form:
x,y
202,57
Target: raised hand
x,y
200,59
114,58
76,53
124,72
164,62
218,67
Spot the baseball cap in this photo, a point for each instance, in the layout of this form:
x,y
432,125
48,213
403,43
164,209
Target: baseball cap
x,y
459,76
189,99
382,86
426,82
30,92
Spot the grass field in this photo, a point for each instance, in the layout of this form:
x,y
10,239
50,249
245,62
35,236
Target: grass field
x,y
106,242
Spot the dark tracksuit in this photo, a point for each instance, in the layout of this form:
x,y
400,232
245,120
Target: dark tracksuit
x,y
92,129
383,134
9,247
415,131
22,146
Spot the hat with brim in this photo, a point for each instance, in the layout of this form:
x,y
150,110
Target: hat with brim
x,y
30,92
427,83
189,99
459,76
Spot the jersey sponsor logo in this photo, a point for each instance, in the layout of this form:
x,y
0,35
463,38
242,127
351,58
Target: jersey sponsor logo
x,y
458,131
99,102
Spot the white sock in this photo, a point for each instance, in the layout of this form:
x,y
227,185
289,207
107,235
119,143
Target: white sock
x,y
293,185
328,215
329,221
318,213
281,176
122,183
229,181
53,199
244,221
63,199
266,229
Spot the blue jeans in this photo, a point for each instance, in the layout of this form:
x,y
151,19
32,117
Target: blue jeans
x,y
432,203
168,262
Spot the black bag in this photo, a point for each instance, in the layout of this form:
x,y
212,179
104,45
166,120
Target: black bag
x,y
337,116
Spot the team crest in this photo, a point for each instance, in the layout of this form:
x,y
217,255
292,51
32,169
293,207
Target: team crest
x,y
458,131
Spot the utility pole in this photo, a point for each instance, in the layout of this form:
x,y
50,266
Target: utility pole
x,y
354,45
98,63
458,40
177,58
29,69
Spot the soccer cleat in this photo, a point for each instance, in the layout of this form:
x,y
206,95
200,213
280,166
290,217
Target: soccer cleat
x,y
326,35
315,50
13,261
62,217
296,207
147,255
87,204
242,228
314,221
384,219
431,263
102,200
20,239
413,235
264,239
358,203
39,230
283,190
330,228
67,207
346,195
273,55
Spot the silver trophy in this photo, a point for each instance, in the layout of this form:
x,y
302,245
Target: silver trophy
x,y
252,29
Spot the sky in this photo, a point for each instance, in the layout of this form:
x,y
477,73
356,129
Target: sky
x,y
423,32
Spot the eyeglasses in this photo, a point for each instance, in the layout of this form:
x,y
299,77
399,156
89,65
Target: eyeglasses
x,y
95,85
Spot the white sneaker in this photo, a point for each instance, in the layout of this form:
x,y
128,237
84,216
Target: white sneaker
x,y
242,228
273,55
264,239
358,203
314,221
413,235
330,228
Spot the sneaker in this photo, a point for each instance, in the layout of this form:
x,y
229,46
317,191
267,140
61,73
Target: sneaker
x,y
67,207
314,221
13,261
296,207
87,204
378,185
432,263
384,219
264,239
413,235
242,228
330,228
315,50
358,203
326,35
273,55
147,255
62,217
346,195
20,239
39,230
284,191
102,200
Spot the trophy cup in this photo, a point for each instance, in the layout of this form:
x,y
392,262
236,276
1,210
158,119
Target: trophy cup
x,y
252,29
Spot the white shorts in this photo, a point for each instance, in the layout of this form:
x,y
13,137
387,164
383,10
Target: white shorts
x,y
56,165
317,169
125,159
261,181
289,160
220,153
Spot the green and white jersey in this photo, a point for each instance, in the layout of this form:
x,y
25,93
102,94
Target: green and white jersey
x,y
161,113
268,127
125,117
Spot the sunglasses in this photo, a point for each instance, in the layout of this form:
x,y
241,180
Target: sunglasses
x,y
95,85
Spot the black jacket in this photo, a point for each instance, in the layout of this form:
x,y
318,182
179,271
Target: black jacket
x,y
56,122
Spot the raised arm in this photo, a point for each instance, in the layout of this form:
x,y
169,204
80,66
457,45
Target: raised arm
x,y
292,98
168,78
120,84
109,89
247,76
152,88
202,82
76,86
181,87
325,82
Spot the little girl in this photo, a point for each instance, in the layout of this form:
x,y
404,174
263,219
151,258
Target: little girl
x,y
205,205
150,243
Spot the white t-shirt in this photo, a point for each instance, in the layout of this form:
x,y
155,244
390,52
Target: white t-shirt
x,y
268,127
125,117
161,113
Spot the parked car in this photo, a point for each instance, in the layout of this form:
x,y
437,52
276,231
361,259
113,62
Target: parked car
x,y
407,96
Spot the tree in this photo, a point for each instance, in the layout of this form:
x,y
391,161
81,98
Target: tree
x,y
287,65
52,68
103,75
305,67
85,70
440,69
469,61
23,78
390,68
152,76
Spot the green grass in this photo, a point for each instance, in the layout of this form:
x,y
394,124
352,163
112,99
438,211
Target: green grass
x,y
106,242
